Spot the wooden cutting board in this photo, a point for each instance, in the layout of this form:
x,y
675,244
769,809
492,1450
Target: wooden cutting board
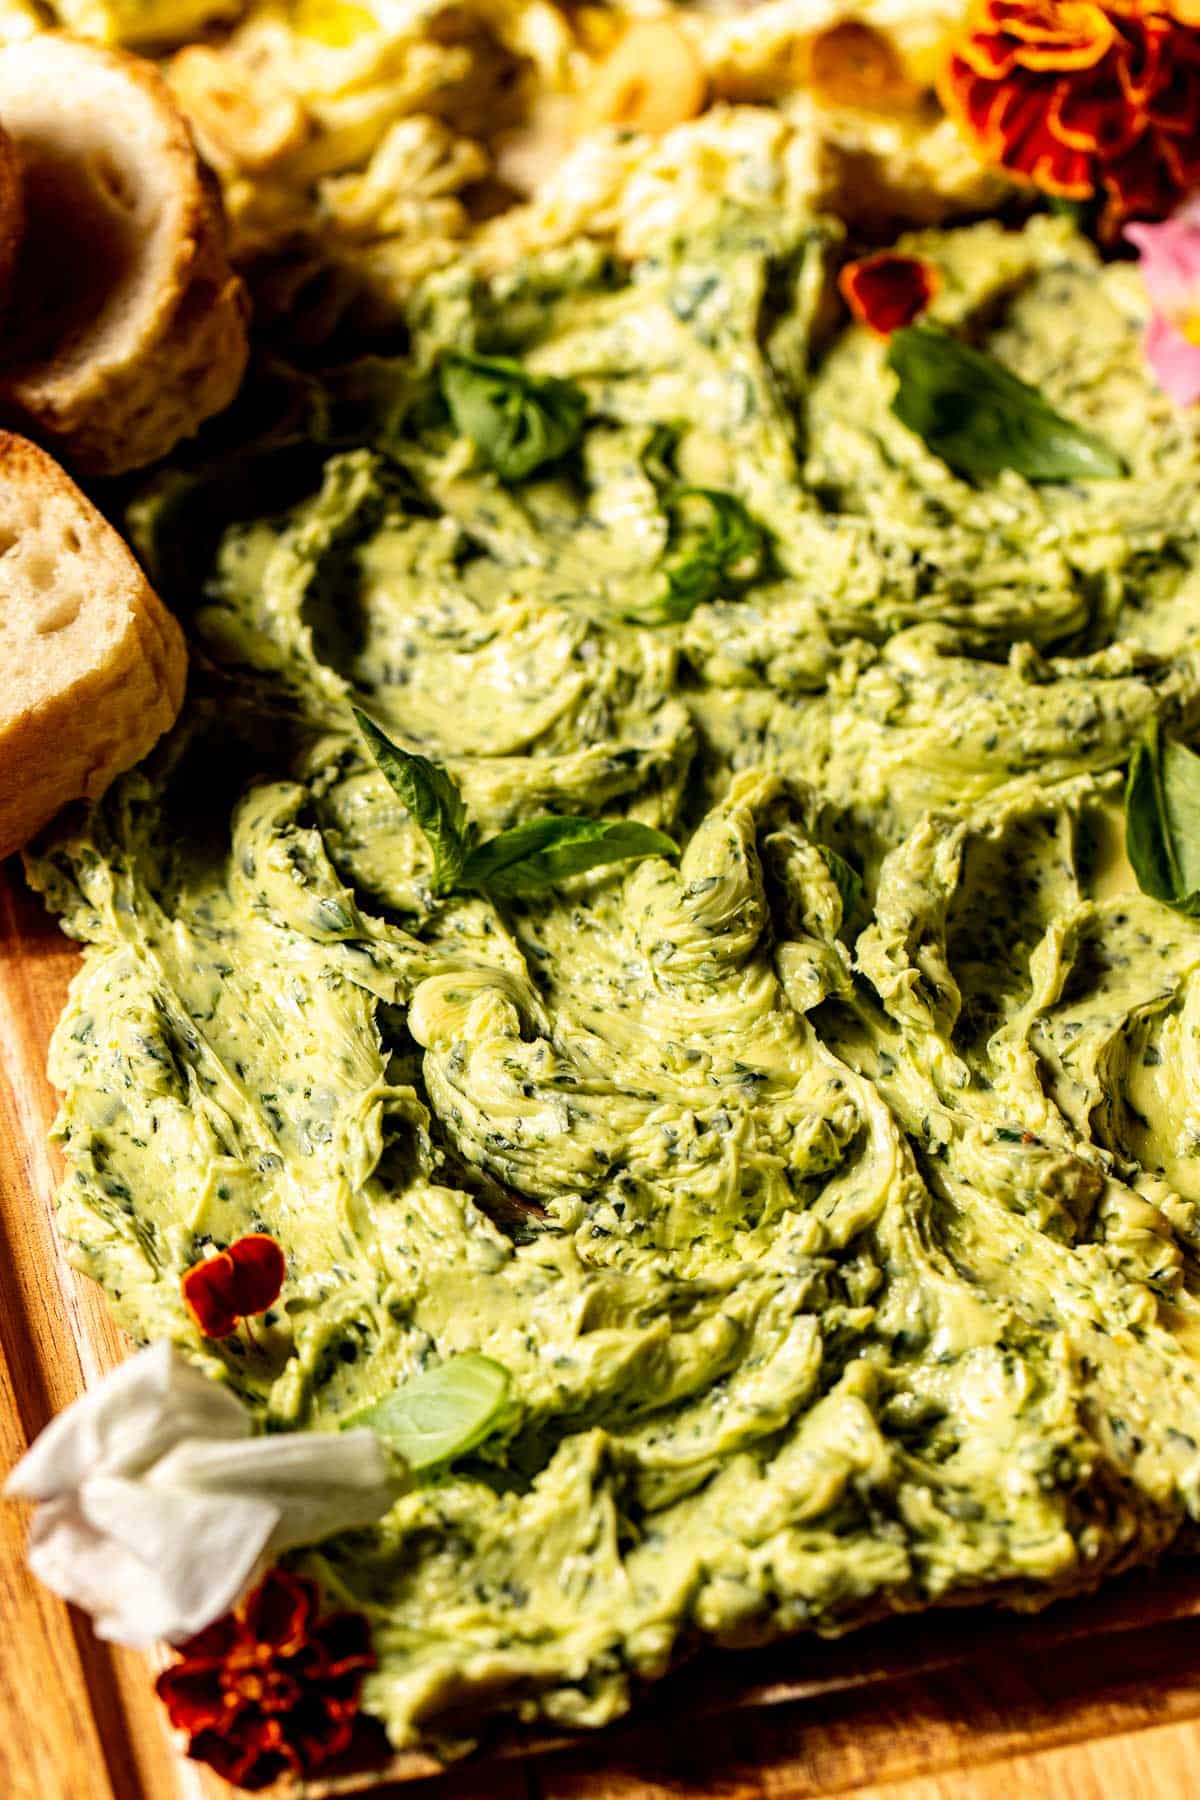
x,y
1093,1700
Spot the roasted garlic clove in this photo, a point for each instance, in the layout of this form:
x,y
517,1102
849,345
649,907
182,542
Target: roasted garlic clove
x,y
653,79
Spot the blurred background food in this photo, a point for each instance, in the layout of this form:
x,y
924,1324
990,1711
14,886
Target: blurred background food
x,y
360,143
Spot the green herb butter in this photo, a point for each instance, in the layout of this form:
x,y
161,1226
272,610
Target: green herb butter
x,y
830,1192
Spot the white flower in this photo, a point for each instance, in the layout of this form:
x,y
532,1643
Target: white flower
x,y
158,1508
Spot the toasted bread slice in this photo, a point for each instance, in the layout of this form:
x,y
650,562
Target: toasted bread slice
x,y
127,327
91,663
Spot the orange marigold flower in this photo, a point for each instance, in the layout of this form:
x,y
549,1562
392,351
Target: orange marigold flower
x,y
1084,98
887,290
244,1279
269,1687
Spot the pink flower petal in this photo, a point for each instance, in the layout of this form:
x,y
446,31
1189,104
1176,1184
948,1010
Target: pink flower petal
x,y
1170,265
1175,361
1170,258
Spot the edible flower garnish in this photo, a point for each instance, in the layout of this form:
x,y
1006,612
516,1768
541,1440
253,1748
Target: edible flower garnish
x,y
528,858
158,1506
1170,256
271,1687
244,1279
887,291
1082,99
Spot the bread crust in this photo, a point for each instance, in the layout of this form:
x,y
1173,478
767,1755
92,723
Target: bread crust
x,y
113,177
94,664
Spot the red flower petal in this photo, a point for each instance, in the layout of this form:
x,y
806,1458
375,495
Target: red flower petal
x,y
339,1693
247,1764
1093,118
246,1278
1055,168
317,1734
216,1641
259,1267
194,1698
1139,56
1084,53
210,1295
1046,21
280,1611
1175,108
345,1637
973,101
1015,114
990,53
1139,185
1181,160
887,290
1054,34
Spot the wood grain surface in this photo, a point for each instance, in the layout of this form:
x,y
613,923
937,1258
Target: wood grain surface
x,y
1094,1700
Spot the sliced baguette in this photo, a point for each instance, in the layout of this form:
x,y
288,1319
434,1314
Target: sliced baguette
x,y
91,663
127,327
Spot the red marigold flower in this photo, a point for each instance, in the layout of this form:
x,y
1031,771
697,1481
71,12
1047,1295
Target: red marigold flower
x,y
1084,98
271,1686
887,290
244,1279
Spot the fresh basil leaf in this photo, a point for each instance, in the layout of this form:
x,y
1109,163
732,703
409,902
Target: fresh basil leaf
x,y
979,418
431,795
1181,792
1162,821
847,880
531,856
657,459
441,1413
714,548
517,421
536,854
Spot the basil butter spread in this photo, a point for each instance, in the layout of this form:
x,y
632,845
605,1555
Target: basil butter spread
x,y
831,1189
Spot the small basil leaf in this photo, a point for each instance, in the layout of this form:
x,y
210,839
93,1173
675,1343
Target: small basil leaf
x,y
1181,792
1162,821
536,854
441,1413
979,418
518,422
431,796
847,880
658,457
714,548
